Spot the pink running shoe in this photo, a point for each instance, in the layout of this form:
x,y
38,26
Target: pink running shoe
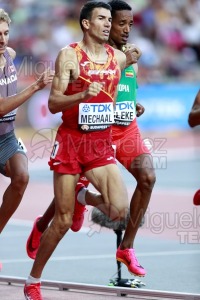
x,y
33,241
79,210
127,256
1,266
32,291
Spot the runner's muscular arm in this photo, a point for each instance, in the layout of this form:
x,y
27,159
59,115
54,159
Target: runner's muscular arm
x,y
121,58
133,53
8,104
115,97
139,108
194,115
66,69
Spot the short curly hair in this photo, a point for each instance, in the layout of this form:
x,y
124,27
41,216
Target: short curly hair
x,y
4,16
118,5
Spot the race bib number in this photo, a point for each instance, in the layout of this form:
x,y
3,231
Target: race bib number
x,y
95,116
124,113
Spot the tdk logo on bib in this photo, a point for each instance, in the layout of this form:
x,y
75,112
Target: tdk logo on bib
x,y
95,116
125,105
86,108
124,113
97,108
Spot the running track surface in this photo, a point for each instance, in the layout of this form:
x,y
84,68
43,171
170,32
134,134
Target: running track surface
x,y
167,244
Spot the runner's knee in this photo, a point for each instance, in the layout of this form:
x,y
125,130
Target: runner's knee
x,y
147,179
64,222
19,181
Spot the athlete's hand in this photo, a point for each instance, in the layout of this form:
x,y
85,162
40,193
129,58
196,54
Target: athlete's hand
x,y
132,53
134,48
93,90
44,79
139,109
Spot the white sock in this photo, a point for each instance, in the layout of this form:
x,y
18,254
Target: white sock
x,y
31,280
81,196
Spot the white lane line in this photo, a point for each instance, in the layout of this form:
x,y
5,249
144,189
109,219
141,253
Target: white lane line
x,y
26,233
104,256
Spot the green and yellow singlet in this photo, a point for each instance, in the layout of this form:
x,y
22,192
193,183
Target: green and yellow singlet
x,y
125,109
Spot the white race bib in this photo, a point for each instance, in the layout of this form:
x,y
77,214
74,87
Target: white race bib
x,y
124,113
95,116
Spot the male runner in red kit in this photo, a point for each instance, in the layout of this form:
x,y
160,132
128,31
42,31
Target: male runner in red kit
x,y
130,151
83,89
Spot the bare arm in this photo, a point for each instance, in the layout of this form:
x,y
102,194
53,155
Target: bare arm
x,y
115,97
10,103
133,53
66,69
139,108
121,58
194,115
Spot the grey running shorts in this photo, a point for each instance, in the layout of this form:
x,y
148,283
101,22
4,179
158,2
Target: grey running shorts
x,y
8,147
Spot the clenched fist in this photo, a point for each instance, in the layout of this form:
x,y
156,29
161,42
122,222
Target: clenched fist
x,y
132,53
93,90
